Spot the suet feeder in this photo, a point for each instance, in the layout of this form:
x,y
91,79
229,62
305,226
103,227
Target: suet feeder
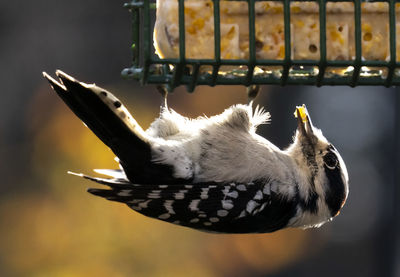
x,y
321,66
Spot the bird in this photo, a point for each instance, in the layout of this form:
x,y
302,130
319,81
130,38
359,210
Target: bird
x,y
213,174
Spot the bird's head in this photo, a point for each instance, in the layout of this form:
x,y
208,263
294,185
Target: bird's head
x,y
323,171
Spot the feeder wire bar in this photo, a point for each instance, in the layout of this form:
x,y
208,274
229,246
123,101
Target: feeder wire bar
x,y
252,43
217,42
392,41
322,42
135,37
147,42
178,70
357,35
287,61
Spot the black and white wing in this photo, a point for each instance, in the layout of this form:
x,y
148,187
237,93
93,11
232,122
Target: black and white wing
x,y
214,207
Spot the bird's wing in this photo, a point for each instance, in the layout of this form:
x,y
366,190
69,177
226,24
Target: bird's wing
x,y
214,207
105,115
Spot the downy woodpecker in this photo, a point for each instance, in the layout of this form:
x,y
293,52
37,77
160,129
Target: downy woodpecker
x,y
211,173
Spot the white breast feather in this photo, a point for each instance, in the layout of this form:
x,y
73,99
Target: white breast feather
x,y
224,147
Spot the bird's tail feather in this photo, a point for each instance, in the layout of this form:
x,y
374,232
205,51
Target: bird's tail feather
x,y
105,115
109,120
99,109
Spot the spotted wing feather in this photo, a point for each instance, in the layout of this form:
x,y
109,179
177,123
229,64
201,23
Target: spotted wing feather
x,y
209,206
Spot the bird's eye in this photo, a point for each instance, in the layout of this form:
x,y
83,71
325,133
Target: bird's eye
x,y
330,160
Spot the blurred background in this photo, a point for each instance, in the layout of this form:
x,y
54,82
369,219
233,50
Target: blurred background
x,y
50,226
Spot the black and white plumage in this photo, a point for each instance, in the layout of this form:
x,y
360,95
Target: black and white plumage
x,y
213,174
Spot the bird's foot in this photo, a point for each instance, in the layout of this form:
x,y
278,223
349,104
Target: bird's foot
x,y
164,94
252,92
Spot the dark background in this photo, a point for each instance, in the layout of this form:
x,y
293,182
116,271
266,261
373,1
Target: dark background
x,y
49,225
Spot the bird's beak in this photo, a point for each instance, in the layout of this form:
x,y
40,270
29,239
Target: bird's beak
x,y
304,124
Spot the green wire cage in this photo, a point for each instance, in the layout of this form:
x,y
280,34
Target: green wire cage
x,y
353,70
